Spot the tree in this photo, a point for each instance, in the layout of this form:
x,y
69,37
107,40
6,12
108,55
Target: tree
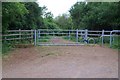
x,y
49,22
21,15
64,21
34,18
96,16
11,12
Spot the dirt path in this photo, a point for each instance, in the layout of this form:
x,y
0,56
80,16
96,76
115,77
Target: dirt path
x,y
61,62
59,40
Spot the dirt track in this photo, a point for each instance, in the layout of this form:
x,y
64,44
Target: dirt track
x,y
61,62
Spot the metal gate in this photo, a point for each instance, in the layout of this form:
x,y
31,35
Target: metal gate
x,y
46,37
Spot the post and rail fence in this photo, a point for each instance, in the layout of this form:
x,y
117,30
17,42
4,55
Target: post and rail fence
x,y
33,35
18,35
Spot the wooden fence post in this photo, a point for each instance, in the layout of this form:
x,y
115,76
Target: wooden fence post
x,y
111,39
86,34
35,38
77,35
31,36
20,35
102,37
38,33
69,35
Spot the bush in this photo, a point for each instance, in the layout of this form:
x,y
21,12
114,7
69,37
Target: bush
x,y
116,42
6,47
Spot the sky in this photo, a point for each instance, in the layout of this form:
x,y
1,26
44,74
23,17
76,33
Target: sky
x,y
57,7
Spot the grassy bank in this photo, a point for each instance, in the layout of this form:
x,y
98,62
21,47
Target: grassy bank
x,y
10,45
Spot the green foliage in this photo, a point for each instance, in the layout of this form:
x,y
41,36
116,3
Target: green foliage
x,y
33,20
44,38
116,43
96,16
6,47
11,14
73,38
49,22
24,15
28,15
64,21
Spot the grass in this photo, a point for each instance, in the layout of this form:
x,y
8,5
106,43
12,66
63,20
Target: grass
x,y
115,43
45,38
6,47
10,45
73,38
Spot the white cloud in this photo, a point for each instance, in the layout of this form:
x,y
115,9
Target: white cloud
x,y
57,6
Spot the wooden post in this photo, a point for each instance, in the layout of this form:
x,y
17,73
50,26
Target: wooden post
x,y
31,36
111,38
86,36
38,33
69,35
77,35
20,35
35,38
102,37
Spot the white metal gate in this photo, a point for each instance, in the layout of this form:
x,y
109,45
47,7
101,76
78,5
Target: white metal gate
x,y
61,37
47,37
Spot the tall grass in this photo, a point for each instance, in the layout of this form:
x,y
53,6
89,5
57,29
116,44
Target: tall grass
x,y
73,38
44,38
115,42
6,47
9,45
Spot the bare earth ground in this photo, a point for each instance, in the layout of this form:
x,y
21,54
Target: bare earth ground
x,y
59,40
61,62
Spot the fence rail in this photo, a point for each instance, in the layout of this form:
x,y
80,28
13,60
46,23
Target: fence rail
x,y
33,34
19,30
19,38
18,35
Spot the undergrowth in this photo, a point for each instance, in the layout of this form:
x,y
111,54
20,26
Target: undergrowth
x,y
115,42
10,45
